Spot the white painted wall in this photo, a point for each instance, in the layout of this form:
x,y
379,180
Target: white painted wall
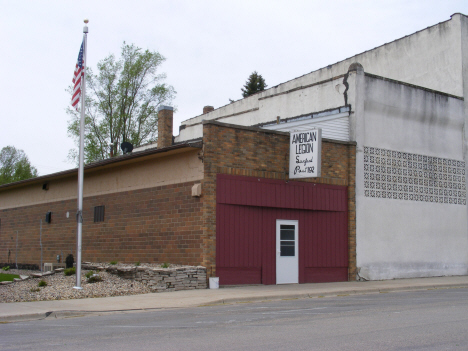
x,y
431,58
401,238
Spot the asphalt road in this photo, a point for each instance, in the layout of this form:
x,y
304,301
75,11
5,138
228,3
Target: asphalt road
x,y
423,320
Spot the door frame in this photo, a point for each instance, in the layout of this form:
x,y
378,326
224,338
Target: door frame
x,y
287,267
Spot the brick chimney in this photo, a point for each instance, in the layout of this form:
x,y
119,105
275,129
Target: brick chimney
x,y
207,109
165,114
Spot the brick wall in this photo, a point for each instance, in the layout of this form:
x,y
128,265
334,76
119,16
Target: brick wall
x,y
167,224
230,149
160,224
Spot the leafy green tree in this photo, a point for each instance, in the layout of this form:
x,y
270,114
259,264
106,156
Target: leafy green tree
x,y
121,103
15,166
253,85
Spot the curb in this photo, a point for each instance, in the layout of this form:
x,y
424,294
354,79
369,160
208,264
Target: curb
x,y
247,299
63,314
231,300
41,316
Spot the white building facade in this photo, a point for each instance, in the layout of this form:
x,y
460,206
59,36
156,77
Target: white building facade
x,y
404,104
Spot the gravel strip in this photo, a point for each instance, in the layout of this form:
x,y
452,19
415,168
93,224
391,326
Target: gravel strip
x,y
60,287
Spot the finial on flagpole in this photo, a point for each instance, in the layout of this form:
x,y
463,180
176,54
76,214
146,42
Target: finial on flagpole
x,y
85,28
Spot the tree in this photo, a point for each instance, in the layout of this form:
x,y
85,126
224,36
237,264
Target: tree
x,y
15,166
253,85
121,103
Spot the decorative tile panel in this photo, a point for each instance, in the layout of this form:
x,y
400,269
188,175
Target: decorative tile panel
x,y
399,175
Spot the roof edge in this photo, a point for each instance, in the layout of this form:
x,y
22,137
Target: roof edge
x,y
414,86
328,66
191,144
268,131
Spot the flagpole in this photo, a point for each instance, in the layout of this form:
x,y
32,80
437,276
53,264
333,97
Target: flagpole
x,y
79,214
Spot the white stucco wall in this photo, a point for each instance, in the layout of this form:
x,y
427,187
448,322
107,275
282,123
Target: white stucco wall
x,y
431,58
398,238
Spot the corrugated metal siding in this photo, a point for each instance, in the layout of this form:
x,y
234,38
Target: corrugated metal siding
x,y
247,211
336,128
330,250
239,242
251,191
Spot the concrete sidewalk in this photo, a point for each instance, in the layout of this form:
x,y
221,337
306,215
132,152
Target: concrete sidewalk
x,y
17,311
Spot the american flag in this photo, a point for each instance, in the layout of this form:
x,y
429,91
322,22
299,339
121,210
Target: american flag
x,y
79,71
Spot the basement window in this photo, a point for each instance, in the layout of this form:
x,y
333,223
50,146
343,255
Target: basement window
x,y
98,214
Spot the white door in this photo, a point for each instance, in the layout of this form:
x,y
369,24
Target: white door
x,y
287,253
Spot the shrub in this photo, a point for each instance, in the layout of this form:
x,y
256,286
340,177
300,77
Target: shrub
x,y
137,263
6,268
35,290
113,262
69,261
94,278
42,283
70,271
89,274
165,265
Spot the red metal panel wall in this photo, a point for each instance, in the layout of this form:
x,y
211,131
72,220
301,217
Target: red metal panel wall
x,y
325,246
247,211
238,244
326,240
251,191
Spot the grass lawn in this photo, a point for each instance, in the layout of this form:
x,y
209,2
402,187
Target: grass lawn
x,y
7,277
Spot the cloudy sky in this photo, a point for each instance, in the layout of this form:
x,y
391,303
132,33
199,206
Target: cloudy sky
x,y
211,47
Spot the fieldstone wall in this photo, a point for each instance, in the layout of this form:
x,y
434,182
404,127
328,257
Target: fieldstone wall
x,y
160,279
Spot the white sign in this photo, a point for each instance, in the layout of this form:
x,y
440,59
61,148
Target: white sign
x,y
305,154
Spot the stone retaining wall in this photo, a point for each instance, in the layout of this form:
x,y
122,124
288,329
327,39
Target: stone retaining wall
x,y
160,279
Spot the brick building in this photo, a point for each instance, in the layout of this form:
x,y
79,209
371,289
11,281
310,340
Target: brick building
x,y
390,201
163,205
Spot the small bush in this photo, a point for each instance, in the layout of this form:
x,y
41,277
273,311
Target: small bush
x,y
165,265
137,263
42,283
69,271
35,290
6,268
69,261
89,274
94,279
113,262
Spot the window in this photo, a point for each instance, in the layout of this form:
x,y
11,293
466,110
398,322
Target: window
x,y
287,240
98,214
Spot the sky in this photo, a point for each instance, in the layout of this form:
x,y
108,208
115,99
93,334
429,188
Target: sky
x,y
211,47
